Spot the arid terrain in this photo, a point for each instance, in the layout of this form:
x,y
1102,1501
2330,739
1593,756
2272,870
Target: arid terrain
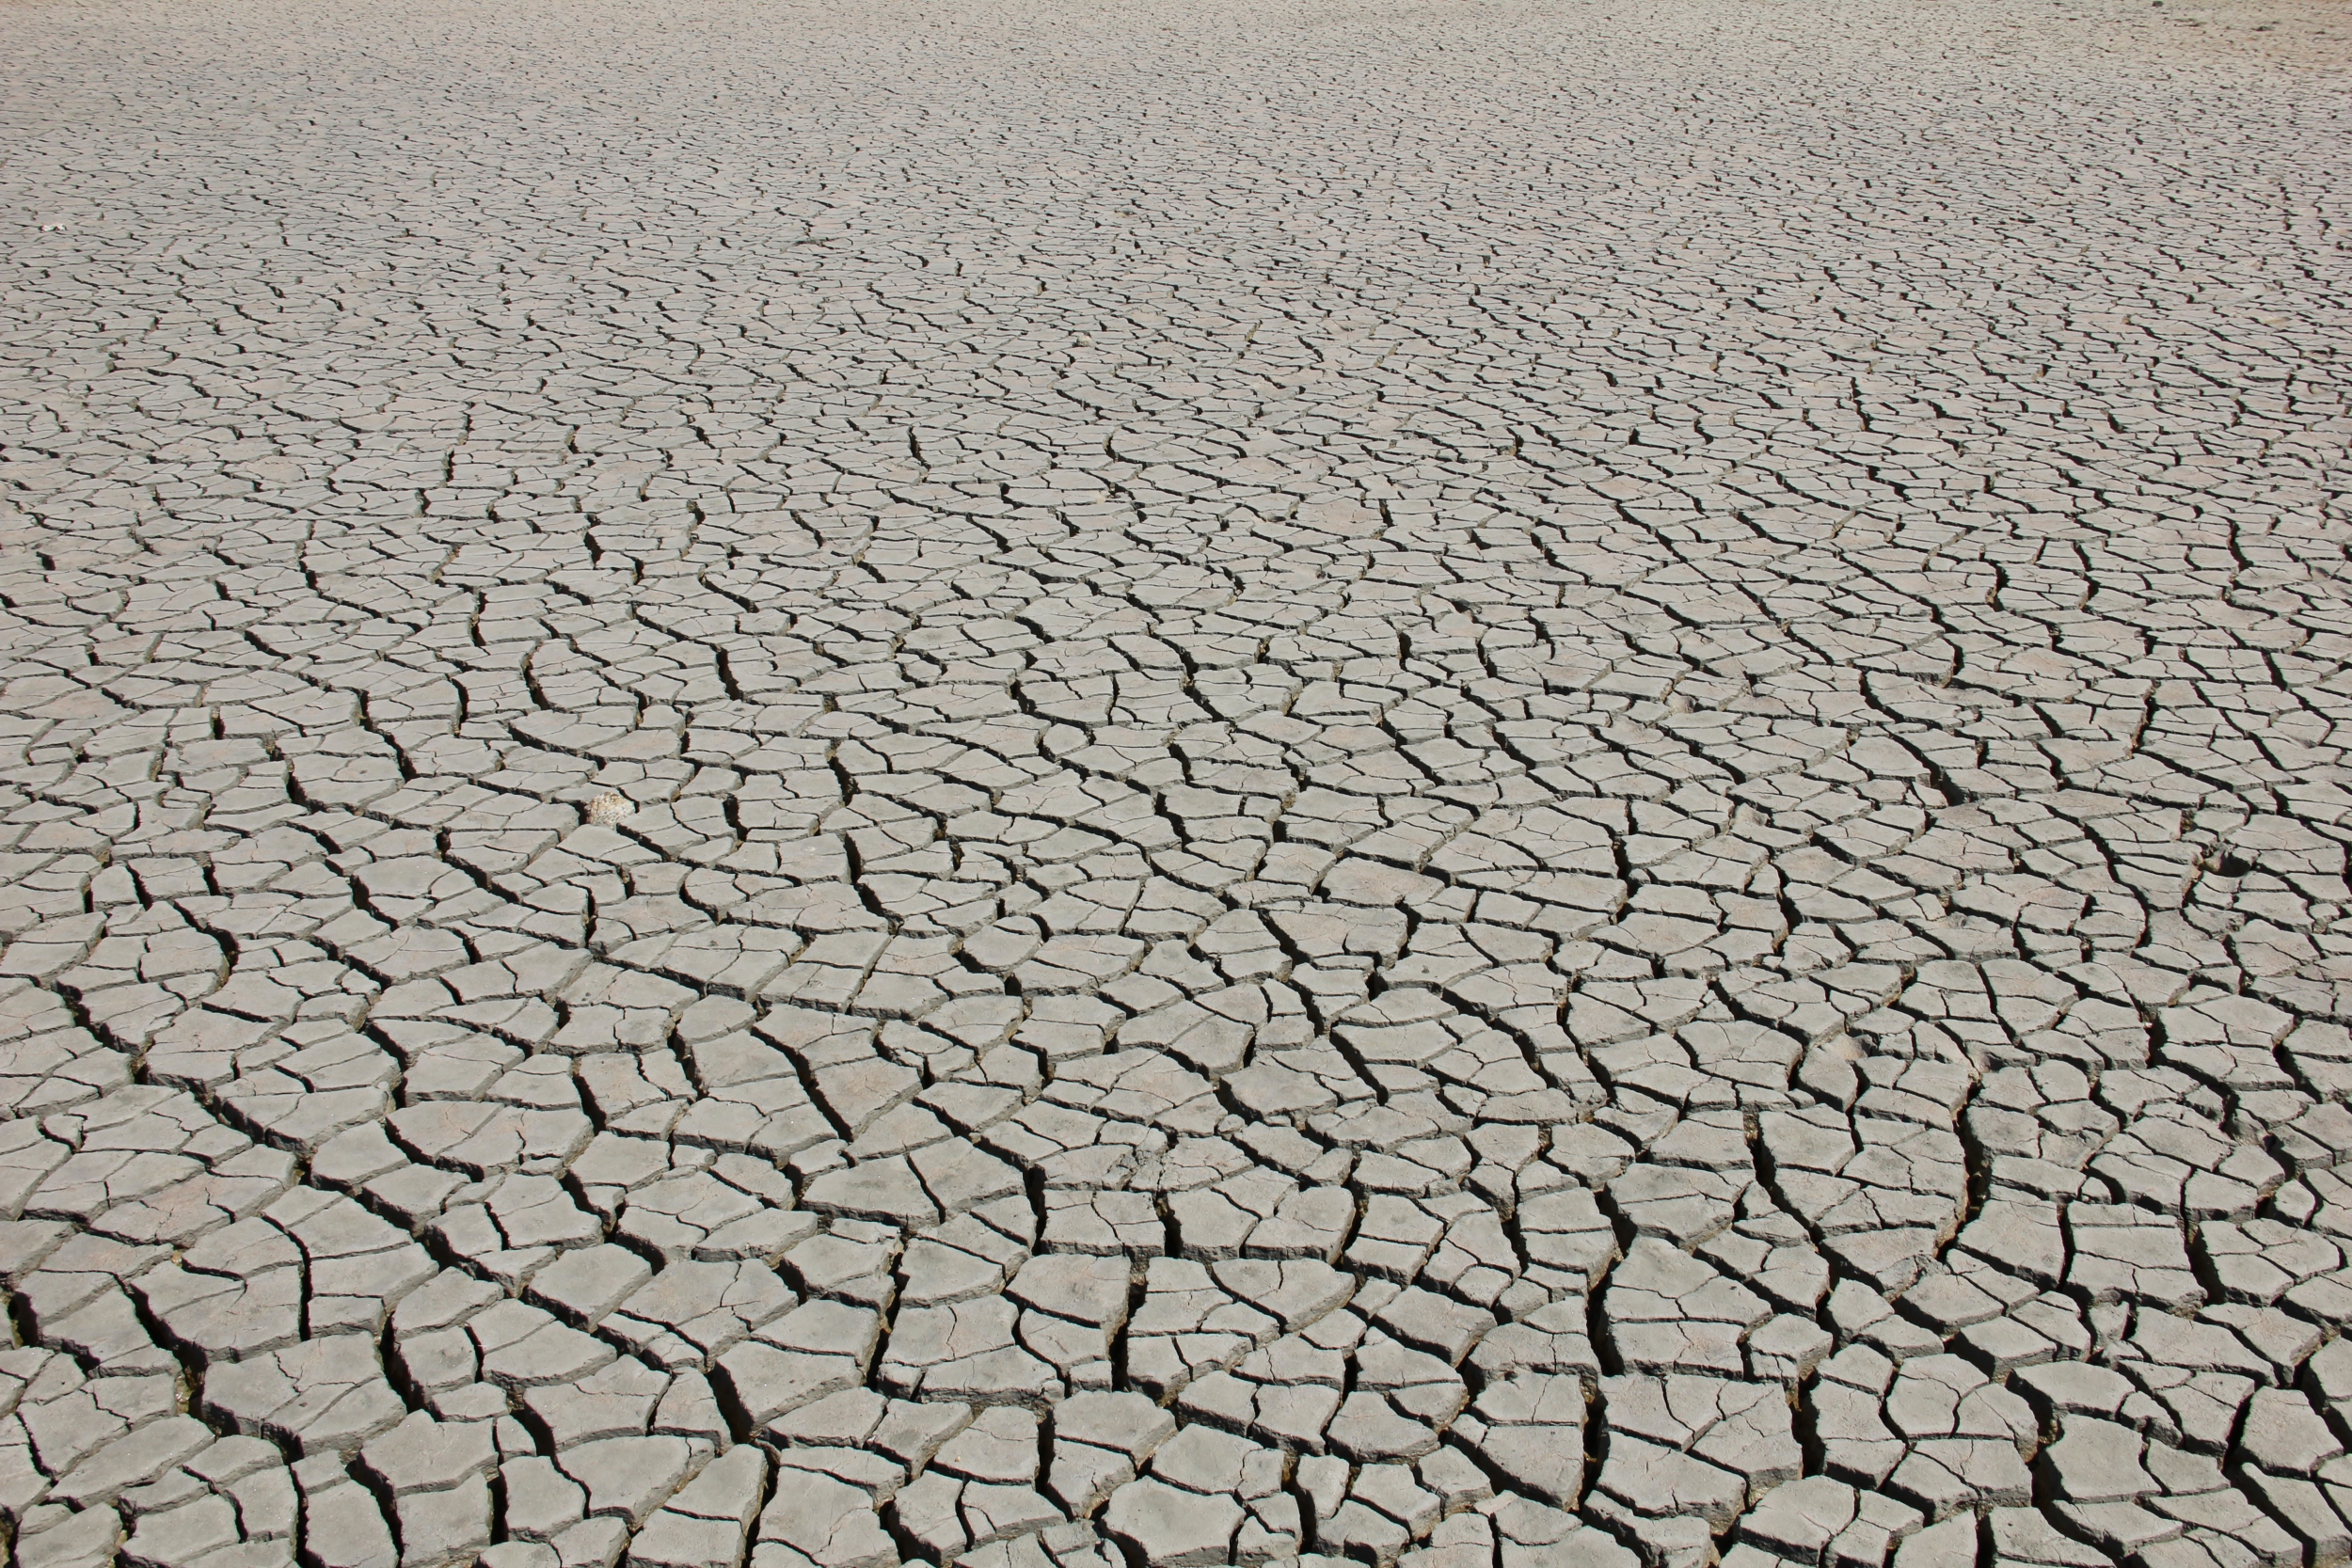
x,y
1463,784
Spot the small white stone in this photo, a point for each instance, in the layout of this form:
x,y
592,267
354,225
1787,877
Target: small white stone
x,y
610,808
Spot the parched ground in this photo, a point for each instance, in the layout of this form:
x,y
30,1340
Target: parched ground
x,y
1490,784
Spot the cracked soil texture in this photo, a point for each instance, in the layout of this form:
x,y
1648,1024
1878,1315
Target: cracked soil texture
x,y
1473,786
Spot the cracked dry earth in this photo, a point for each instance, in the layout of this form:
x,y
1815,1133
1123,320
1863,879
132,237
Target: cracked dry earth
x,y
1471,786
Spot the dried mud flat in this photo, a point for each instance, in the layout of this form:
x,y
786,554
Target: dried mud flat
x,y
1490,785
